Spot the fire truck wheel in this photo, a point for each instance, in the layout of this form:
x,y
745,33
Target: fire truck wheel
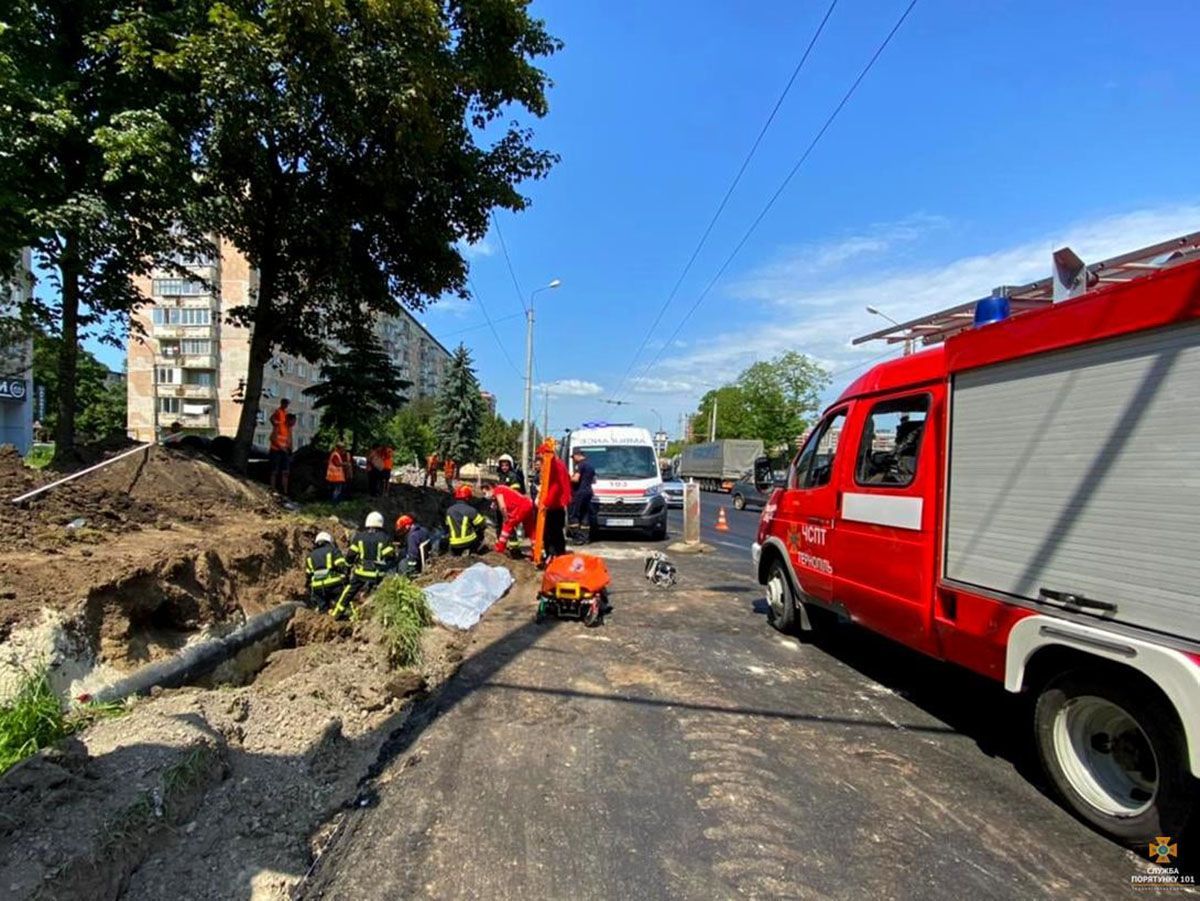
x,y
781,603
1116,754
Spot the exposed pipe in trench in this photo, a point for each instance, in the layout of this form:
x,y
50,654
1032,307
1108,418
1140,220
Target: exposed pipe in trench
x,y
199,659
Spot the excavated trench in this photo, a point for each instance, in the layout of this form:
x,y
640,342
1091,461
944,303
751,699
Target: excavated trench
x,y
155,611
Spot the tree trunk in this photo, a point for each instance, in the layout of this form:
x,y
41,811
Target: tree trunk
x,y
68,354
260,355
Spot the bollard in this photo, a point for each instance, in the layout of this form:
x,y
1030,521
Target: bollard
x,y
691,513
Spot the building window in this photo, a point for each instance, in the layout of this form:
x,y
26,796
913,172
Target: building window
x,y
193,316
177,287
168,405
169,348
198,377
166,375
197,347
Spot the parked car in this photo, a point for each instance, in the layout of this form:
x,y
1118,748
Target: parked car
x,y
746,494
672,489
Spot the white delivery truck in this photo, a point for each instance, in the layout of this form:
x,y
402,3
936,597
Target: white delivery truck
x,y
628,488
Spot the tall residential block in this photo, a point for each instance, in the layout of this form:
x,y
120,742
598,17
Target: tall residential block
x,y
188,364
16,362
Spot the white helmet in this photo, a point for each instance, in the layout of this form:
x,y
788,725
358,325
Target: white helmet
x,y
506,458
323,538
374,520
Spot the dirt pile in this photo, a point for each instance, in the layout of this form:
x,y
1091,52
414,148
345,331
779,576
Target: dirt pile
x,y
230,793
125,565
143,489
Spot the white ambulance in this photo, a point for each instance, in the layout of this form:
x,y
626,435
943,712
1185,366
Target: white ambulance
x,y
628,488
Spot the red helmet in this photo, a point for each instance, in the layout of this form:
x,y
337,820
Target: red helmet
x,y
404,523
462,492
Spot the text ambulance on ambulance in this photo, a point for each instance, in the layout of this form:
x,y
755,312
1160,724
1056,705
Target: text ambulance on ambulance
x,y
628,488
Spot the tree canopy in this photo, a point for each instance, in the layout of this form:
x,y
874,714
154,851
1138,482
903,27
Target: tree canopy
x,y
353,148
99,401
96,171
775,400
458,422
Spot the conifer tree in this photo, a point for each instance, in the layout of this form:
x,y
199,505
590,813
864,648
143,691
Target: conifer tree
x,y
460,410
360,389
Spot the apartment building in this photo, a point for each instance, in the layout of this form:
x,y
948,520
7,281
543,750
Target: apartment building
x,y
189,365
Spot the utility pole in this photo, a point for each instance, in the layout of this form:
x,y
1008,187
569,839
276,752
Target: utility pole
x,y
526,422
545,412
528,386
712,424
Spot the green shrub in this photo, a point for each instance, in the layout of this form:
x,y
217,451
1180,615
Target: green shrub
x,y
399,607
39,456
31,720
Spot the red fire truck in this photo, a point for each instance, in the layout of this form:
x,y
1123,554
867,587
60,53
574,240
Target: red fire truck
x,y
1022,499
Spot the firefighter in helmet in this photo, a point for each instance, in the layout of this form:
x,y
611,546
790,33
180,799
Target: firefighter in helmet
x,y
371,556
465,524
326,570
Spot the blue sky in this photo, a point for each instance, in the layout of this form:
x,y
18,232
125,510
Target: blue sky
x,y
987,134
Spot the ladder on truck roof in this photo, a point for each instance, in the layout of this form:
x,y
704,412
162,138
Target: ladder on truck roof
x,y
1071,278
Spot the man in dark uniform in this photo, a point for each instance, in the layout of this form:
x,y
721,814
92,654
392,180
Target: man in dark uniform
x,y
413,535
582,511
371,555
326,570
465,524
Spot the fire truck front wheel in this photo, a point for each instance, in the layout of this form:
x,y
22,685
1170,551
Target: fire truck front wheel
x,y
1115,752
781,602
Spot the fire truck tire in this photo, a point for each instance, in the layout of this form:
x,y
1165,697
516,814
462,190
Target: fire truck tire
x,y
781,601
1116,754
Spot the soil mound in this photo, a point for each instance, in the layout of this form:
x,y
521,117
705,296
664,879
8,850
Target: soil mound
x,y
157,486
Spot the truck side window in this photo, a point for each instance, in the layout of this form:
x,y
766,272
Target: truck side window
x,y
814,466
891,440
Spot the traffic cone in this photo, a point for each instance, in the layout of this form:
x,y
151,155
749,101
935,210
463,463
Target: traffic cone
x,y
722,525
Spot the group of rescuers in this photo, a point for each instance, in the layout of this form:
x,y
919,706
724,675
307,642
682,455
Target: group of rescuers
x,y
336,578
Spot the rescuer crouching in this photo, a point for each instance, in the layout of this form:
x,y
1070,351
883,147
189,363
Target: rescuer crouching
x,y
326,569
371,556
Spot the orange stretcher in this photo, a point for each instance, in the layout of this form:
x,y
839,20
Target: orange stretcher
x,y
574,586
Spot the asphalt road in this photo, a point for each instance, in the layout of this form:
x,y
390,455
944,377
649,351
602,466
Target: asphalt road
x,y
686,750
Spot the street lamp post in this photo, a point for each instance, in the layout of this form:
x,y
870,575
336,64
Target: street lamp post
x,y
526,425
875,311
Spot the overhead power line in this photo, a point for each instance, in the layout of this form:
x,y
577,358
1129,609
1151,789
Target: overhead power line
x,y
492,326
786,181
728,193
477,326
508,261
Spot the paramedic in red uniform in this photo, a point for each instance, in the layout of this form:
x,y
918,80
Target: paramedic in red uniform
x,y
516,509
558,497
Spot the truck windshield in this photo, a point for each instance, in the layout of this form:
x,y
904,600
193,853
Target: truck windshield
x,y
622,461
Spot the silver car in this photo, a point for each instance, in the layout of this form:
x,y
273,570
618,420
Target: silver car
x,y
672,490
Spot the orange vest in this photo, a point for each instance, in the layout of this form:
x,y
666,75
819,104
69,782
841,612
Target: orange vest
x,y
336,470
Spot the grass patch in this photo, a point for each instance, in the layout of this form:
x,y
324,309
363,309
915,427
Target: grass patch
x,y
31,720
34,718
354,510
399,607
39,456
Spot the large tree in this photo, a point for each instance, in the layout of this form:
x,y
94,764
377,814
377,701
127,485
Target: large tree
x,y
460,410
96,171
360,389
775,400
355,148
411,432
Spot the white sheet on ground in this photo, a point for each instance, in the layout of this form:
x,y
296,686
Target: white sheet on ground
x,y
460,604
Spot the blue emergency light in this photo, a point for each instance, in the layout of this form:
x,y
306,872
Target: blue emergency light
x,y
991,309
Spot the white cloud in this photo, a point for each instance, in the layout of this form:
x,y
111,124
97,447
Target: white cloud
x,y
571,388
478,250
813,299
660,386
